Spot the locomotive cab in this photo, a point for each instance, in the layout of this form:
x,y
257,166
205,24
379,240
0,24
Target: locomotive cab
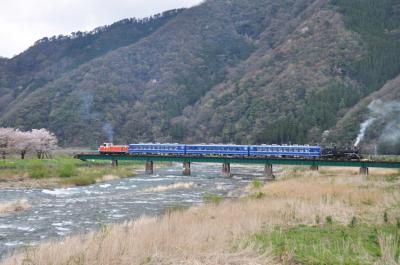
x,y
109,148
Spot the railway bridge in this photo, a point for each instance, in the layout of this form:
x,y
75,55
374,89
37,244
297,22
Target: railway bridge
x,y
226,161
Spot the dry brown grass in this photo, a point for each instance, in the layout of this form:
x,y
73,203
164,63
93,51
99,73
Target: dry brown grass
x,y
16,206
106,178
209,234
174,186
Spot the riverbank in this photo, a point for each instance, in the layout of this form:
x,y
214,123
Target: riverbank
x,y
326,217
61,171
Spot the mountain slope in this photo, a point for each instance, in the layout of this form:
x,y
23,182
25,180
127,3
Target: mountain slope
x,y
150,81
286,92
52,57
384,132
243,71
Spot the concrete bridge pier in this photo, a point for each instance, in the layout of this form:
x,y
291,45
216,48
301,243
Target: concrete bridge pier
x,y
186,168
364,171
226,169
114,163
149,168
314,168
268,172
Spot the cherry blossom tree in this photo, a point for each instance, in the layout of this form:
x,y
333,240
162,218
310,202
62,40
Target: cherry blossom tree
x,y
6,141
23,142
15,141
43,142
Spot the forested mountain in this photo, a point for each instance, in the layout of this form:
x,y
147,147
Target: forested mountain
x,y
243,71
49,58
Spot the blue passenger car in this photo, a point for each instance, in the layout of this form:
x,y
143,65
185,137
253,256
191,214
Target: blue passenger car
x,y
285,150
294,151
219,150
156,149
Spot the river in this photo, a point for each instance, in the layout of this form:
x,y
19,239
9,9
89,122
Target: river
x,y
65,211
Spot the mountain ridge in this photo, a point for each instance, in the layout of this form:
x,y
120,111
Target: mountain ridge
x,y
223,71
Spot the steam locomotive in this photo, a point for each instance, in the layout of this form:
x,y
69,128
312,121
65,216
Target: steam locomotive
x,y
284,151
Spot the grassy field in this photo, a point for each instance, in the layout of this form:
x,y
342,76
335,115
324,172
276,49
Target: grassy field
x,y
327,217
61,171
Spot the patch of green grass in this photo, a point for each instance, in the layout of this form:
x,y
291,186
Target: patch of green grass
x,y
329,244
257,195
72,171
212,198
79,181
37,170
256,184
66,170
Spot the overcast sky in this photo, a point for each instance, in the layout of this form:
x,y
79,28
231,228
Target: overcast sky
x,y
22,22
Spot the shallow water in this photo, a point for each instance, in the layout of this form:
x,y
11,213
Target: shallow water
x,y
65,211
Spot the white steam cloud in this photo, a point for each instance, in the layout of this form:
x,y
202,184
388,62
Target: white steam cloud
x,y
363,128
389,112
109,132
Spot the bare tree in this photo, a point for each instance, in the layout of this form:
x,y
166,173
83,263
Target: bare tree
x,y
6,141
43,142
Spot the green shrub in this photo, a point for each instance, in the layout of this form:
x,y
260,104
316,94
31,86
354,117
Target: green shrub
x,y
353,222
37,170
256,184
257,195
212,198
317,219
66,170
385,217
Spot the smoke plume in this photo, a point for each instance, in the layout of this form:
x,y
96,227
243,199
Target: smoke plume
x,y
363,128
391,133
109,131
388,112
